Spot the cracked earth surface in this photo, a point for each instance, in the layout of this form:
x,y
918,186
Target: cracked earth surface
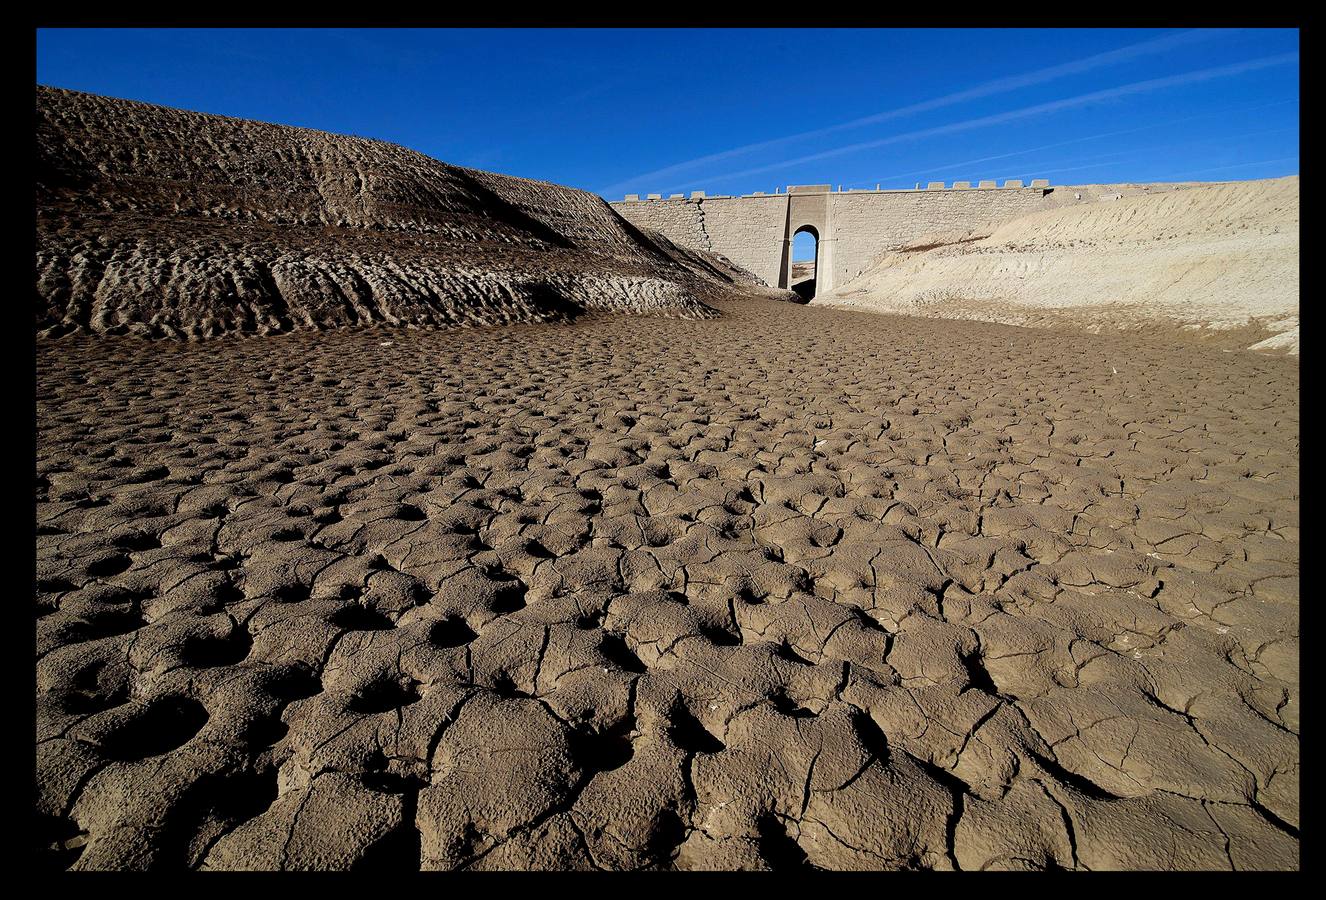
x,y
796,587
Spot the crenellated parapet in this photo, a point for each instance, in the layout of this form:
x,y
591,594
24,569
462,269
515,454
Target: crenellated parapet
x,y
1009,184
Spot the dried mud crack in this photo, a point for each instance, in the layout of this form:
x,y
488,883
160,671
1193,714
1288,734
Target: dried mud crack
x,y
791,588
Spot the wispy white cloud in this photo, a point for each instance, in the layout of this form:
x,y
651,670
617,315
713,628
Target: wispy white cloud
x,y
1246,165
1040,109
989,88
1168,123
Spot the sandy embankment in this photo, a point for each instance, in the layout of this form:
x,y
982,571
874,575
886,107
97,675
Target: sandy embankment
x,y
1220,261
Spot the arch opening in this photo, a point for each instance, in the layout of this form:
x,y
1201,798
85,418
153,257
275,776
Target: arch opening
x,y
805,262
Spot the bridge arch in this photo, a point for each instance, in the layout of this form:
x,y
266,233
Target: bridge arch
x,y
807,228
808,210
798,281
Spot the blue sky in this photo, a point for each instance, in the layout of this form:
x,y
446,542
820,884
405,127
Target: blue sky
x,y
733,111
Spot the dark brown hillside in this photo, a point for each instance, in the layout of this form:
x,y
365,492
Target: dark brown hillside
x,y
163,222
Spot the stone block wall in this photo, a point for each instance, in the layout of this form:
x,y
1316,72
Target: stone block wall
x,y
753,230
748,231
678,220
867,225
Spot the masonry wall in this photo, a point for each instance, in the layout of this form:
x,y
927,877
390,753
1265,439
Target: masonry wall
x,y
678,220
752,231
868,224
748,231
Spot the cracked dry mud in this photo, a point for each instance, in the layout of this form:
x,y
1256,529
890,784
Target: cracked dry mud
x,y
795,587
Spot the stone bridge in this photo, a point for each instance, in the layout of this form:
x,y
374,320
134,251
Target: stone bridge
x,y
851,228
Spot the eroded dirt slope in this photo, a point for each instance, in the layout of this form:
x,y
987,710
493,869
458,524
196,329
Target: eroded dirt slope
x,y
793,587
1211,257
162,222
